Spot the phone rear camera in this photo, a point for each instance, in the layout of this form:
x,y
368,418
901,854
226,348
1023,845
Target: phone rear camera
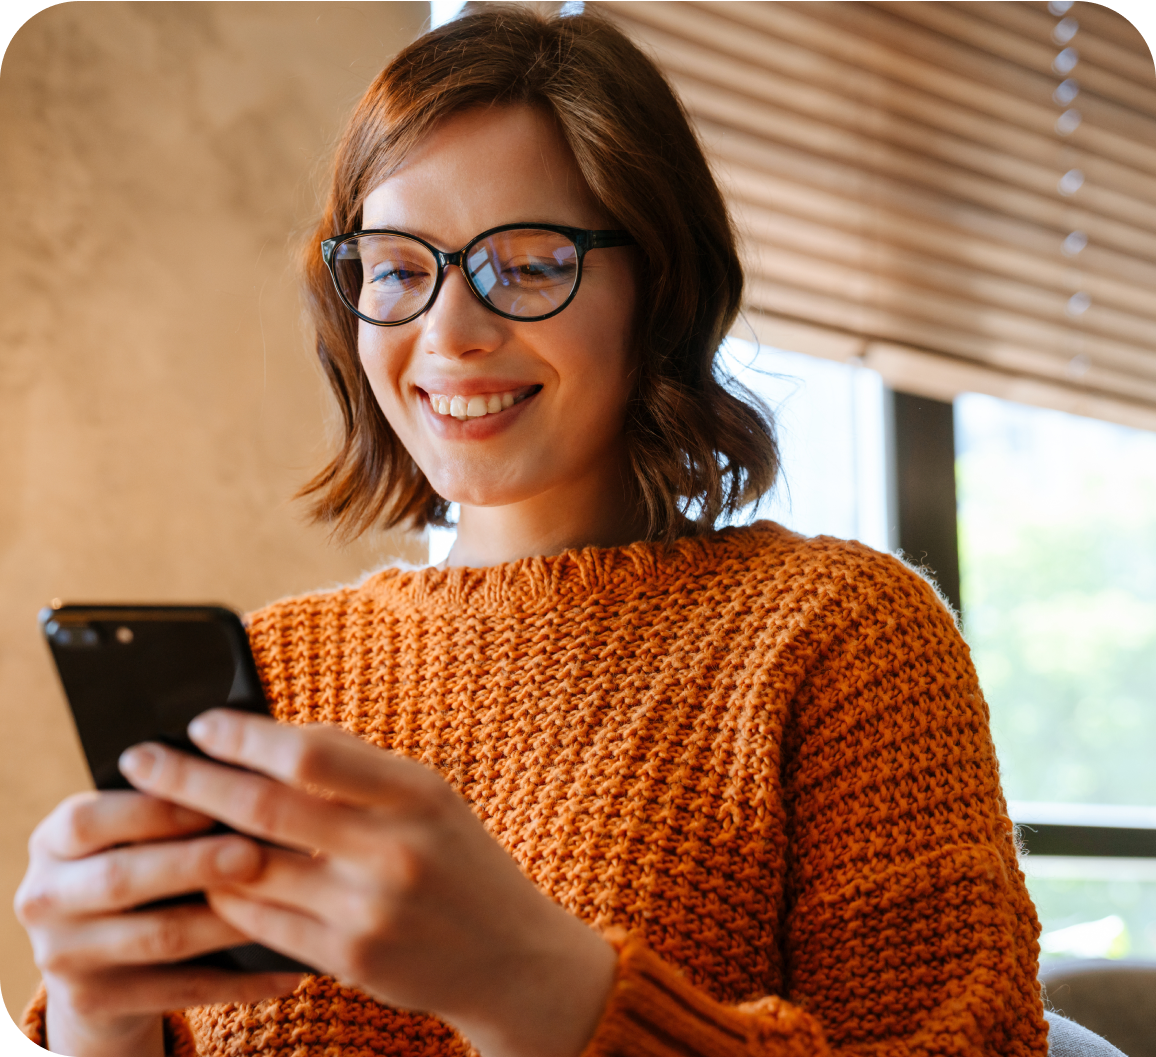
x,y
124,635
72,635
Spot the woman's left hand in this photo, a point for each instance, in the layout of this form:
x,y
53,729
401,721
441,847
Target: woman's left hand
x,y
384,878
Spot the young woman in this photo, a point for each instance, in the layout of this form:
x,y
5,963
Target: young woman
x,y
611,782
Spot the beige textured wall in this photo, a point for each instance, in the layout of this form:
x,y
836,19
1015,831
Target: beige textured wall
x,y
158,404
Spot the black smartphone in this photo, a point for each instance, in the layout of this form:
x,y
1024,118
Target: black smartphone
x,y
136,673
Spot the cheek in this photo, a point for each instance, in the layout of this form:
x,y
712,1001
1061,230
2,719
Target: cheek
x,y
607,340
381,355
370,349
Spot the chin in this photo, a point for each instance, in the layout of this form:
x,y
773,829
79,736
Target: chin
x,y
472,492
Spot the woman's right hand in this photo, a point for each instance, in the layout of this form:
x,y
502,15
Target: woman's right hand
x,y
93,859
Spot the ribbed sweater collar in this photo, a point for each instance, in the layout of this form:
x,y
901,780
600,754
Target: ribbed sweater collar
x,y
574,576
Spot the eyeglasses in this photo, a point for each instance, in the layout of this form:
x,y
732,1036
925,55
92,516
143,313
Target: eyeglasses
x,y
520,272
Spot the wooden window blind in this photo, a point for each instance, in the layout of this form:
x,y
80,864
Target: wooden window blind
x,y
960,195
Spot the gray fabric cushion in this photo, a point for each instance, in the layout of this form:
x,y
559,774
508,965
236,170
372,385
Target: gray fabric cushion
x,y
1066,1038
1114,999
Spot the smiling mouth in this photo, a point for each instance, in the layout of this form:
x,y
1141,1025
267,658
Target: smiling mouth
x,y
481,404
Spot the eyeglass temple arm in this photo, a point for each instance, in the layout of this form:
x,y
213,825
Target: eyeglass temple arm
x,y
602,239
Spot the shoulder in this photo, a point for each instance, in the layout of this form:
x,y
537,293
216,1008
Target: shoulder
x,y
825,571
316,614
838,603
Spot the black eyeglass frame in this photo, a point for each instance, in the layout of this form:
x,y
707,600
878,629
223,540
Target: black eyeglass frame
x,y
584,240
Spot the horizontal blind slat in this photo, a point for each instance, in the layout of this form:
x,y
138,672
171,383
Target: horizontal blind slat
x,y
875,155
965,27
874,24
1030,162
990,260
731,147
1105,23
1038,25
873,322
767,229
943,378
971,325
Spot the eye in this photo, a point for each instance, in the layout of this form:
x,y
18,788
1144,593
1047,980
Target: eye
x,y
536,271
392,263
395,273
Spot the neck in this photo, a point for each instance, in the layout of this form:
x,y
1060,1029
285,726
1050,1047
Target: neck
x,y
598,510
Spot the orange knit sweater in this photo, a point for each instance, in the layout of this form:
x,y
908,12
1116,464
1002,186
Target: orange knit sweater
x,y
760,762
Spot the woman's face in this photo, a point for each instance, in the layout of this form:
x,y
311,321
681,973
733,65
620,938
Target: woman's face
x,y
570,375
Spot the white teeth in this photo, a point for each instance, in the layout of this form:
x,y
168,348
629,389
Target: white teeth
x,y
462,407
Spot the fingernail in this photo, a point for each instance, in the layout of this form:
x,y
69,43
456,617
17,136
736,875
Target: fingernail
x,y
235,858
139,762
203,727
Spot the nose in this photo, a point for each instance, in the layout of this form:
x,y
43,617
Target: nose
x,y
457,324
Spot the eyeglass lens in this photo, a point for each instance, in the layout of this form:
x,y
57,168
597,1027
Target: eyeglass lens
x,y
524,272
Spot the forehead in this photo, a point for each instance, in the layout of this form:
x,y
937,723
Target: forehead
x,y
482,168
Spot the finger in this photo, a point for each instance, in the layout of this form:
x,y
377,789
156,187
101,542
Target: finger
x,y
146,937
90,822
286,929
134,991
248,802
315,756
330,890
127,877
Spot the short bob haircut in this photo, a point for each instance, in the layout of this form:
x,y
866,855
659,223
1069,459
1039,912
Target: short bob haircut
x,y
700,445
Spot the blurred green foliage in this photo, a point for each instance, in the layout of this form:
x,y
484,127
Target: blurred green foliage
x,y
1062,903
1057,518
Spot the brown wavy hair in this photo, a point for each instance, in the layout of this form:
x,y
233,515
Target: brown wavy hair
x,y
700,445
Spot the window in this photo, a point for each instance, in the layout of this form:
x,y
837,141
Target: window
x,y
1057,530
831,425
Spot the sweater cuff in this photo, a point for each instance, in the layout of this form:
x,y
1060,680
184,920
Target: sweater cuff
x,y
653,1011
179,1040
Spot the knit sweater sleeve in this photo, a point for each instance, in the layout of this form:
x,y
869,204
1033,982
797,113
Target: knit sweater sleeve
x,y
908,928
